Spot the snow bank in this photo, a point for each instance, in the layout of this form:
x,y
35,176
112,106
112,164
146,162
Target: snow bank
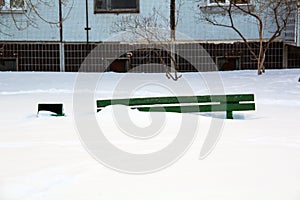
x,y
257,156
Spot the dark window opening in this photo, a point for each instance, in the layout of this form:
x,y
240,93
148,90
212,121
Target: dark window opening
x,y
16,3
229,1
217,1
12,5
116,6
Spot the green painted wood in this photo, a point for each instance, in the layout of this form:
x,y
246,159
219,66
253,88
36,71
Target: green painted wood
x,y
187,104
198,108
229,115
176,100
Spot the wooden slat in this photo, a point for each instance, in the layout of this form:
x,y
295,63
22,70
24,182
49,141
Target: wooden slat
x,y
199,108
187,104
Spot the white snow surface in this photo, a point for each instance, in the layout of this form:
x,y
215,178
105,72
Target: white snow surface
x,y
256,158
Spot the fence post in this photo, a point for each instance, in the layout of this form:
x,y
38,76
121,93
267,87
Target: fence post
x,y
62,56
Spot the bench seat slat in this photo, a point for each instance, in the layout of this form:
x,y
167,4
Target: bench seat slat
x,y
199,108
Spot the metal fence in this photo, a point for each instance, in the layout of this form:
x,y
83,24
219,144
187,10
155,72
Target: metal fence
x,y
134,57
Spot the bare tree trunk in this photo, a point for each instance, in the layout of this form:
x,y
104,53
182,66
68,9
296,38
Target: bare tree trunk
x,y
262,63
259,61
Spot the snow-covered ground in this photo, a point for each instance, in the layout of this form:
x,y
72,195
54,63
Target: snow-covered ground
x,y
257,156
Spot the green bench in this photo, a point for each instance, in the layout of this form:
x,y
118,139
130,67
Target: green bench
x,y
187,104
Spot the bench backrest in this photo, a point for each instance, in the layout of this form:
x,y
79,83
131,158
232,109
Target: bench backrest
x,y
184,104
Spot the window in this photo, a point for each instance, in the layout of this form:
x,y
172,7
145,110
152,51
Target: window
x,y
217,1
12,5
116,6
214,2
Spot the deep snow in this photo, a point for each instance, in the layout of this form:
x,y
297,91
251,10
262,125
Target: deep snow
x,y
257,156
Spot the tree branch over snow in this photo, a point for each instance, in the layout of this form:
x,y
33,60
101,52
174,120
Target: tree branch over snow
x,y
265,13
154,28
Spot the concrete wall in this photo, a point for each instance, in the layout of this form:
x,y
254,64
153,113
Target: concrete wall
x,y
30,26
189,26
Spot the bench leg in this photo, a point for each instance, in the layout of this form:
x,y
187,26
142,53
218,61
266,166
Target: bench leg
x,y
229,115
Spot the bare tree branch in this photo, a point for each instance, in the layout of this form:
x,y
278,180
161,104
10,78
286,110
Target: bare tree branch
x,y
154,28
30,12
266,13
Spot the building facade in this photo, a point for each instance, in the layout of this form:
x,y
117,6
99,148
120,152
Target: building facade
x,y
60,35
